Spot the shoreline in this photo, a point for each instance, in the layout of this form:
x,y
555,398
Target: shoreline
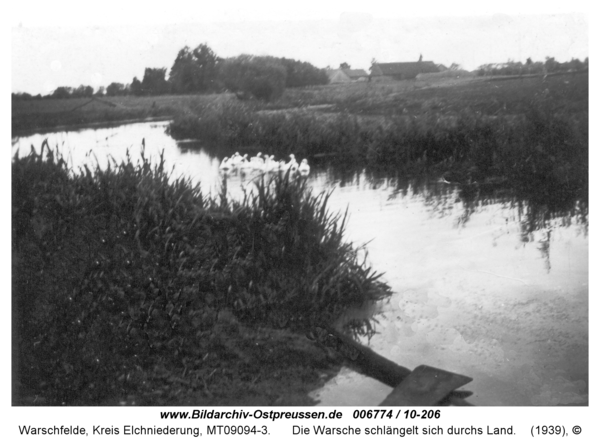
x,y
90,125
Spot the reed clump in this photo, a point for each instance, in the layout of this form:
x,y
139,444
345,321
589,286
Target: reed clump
x,y
127,282
534,146
529,134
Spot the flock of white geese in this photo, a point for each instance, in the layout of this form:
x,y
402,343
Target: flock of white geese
x,y
262,163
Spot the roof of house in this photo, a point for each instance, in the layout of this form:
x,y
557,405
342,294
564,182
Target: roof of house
x,y
345,75
390,69
337,75
356,73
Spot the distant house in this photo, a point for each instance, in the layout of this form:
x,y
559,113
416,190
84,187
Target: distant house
x,y
340,75
402,70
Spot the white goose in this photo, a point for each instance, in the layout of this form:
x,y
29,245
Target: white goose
x,y
292,165
267,163
244,164
270,164
226,165
236,159
304,168
257,161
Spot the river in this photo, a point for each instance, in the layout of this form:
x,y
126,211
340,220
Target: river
x,y
482,286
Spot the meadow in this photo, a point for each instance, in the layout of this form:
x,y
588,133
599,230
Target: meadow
x,y
47,114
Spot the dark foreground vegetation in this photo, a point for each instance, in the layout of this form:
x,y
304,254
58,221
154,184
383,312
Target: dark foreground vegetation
x,y
132,287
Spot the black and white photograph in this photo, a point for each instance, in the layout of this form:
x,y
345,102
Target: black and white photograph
x,y
267,205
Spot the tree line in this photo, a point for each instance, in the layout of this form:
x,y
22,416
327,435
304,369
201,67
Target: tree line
x,y
200,70
550,65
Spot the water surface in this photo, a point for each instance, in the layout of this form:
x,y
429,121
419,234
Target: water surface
x,y
485,284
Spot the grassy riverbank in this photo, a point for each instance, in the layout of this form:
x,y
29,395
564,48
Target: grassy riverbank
x,y
530,133
131,287
498,96
47,114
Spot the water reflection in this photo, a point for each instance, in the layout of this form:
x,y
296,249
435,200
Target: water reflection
x,y
534,211
470,263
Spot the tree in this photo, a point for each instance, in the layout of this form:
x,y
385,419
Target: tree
x,y
62,93
21,96
136,87
344,66
551,64
116,89
262,77
194,71
575,64
301,74
83,91
154,81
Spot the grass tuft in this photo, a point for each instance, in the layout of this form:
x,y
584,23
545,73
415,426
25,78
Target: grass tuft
x,y
124,276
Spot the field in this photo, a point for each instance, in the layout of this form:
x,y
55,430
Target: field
x,y
46,114
489,96
568,93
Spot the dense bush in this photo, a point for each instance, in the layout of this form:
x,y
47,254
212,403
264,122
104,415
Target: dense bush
x,y
219,121
123,273
195,71
154,82
538,145
116,89
302,74
261,77
83,91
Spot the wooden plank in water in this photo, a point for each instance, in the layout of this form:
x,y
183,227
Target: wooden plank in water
x,y
425,386
364,360
367,362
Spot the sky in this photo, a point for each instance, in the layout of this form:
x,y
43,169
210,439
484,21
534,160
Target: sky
x,y
62,44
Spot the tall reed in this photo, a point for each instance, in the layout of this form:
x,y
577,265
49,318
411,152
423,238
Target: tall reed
x,y
124,271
